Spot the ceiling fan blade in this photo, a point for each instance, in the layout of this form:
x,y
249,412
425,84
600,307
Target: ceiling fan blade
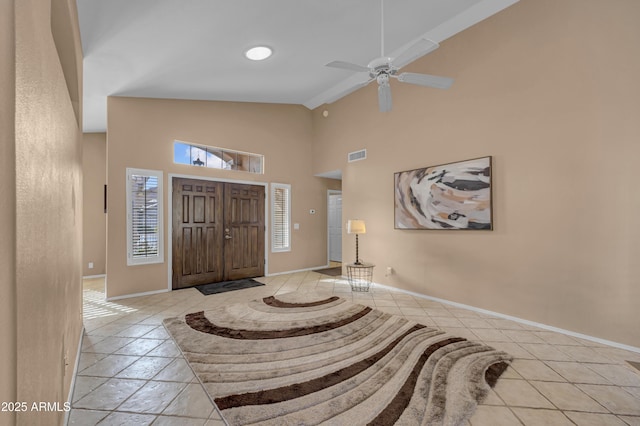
x,y
413,52
384,97
347,66
341,90
426,80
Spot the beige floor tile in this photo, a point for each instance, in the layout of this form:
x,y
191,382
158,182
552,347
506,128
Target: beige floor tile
x,y
635,391
215,422
80,417
631,420
136,330
541,417
447,322
504,324
594,419
474,322
487,415
568,397
178,421
522,336
536,370
545,352
557,338
584,354
109,345
617,400
111,394
145,368
576,372
166,349
177,371
619,375
157,333
153,397
193,401
85,384
139,347
109,366
490,335
121,419
519,393
412,311
87,359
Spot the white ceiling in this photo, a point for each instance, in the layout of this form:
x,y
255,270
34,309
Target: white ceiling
x,y
194,49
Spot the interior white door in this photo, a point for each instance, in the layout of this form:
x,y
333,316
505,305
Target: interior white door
x,y
335,226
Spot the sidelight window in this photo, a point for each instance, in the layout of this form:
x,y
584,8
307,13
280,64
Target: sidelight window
x,y
280,217
144,217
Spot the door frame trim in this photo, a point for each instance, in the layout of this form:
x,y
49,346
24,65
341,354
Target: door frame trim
x,y
331,192
169,251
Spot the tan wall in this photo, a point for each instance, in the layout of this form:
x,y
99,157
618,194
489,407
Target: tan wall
x,y
48,210
141,133
550,90
94,220
7,211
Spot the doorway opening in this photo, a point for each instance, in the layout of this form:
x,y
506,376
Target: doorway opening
x,y
334,227
218,231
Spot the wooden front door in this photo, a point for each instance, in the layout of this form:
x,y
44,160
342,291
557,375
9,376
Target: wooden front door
x,y
218,232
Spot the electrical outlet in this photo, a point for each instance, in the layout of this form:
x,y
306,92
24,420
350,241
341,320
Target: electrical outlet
x,y
90,265
389,271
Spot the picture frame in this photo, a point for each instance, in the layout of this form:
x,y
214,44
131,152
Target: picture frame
x,y
452,196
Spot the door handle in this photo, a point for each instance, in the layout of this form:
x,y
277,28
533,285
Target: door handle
x,y
227,237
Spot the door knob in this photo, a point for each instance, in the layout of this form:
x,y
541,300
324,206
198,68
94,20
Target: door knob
x,y
227,236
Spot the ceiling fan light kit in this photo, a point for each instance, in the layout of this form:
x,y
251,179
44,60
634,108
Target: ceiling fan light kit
x,y
383,68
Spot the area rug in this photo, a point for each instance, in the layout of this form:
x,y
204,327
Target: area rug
x,y
221,287
334,272
302,359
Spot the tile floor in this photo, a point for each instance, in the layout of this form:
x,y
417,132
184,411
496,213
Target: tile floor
x,y
131,373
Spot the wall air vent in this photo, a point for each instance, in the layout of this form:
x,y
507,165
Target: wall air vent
x,y
357,155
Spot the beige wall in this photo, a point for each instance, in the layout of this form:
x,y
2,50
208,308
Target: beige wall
x,y
41,211
550,90
7,211
141,133
94,220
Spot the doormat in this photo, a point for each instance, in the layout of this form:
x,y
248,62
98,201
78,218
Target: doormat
x,y
334,272
224,286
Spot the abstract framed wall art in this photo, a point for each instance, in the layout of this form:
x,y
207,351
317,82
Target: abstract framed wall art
x,y
449,196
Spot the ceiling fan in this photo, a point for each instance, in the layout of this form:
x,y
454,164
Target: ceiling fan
x,y
384,68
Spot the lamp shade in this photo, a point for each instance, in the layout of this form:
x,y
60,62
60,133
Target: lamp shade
x,y
355,226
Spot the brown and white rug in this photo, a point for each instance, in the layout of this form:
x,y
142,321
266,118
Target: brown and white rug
x,y
302,359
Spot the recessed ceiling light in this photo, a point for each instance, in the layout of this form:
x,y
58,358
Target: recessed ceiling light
x,y
258,53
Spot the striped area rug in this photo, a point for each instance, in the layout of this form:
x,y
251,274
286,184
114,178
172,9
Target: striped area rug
x,y
303,359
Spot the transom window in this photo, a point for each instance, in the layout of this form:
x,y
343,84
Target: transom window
x,y
217,158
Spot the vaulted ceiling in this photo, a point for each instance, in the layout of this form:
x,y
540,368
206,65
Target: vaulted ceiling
x,y
194,49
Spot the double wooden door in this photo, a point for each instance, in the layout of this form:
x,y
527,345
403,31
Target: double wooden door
x,y
218,231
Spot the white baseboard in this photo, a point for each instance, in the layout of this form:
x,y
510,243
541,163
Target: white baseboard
x,y
129,296
73,378
297,270
516,319
88,277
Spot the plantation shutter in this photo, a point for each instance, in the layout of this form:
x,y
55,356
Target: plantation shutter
x,y
144,214
281,217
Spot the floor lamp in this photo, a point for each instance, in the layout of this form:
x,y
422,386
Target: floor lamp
x,y
355,226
